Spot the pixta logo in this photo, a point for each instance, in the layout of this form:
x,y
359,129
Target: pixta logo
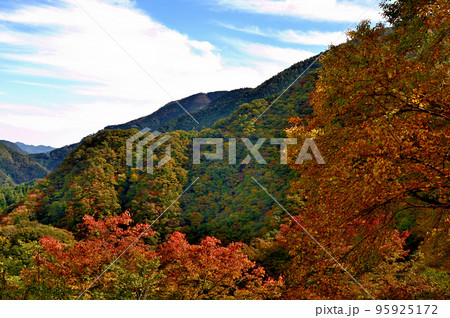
x,y
308,145
148,142
142,139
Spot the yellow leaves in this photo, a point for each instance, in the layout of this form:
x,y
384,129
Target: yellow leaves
x,y
134,177
314,133
391,113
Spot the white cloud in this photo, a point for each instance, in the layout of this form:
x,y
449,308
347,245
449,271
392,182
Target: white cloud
x,y
81,51
292,36
286,56
9,38
68,124
247,29
72,47
322,10
312,37
39,84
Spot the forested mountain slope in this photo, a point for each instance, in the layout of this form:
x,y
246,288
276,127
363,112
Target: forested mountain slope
x,y
47,157
227,202
94,179
13,146
17,168
10,195
51,160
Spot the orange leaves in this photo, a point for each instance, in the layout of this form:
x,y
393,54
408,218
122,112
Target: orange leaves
x,y
384,115
381,105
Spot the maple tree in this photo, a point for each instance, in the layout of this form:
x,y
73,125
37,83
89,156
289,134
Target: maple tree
x,y
210,271
64,271
113,261
381,116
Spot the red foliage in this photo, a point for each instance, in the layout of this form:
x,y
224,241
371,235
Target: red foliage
x,y
210,271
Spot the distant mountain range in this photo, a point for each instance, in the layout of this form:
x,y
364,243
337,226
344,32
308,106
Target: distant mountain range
x,y
13,146
26,149
34,149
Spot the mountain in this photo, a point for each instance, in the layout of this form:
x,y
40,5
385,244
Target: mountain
x,y
34,149
51,160
172,110
224,106
16,168
46,156
208,108
94,179
13,146
228,113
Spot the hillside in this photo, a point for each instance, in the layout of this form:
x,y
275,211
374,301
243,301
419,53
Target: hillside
x,y
48,160
224,106
96,169
46,156
12,195
51,160
172,110
13,146
94,180
16,168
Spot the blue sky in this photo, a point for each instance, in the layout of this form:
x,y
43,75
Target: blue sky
x,y
64,73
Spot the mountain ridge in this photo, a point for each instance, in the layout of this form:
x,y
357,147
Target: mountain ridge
x,y
223,107
31,149
171,110
13,146
51,160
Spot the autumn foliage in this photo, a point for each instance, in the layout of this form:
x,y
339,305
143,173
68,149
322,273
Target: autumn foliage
x,y
65,270
209,271
382,122
114,250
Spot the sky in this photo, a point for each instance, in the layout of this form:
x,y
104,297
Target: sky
x,y
68,68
